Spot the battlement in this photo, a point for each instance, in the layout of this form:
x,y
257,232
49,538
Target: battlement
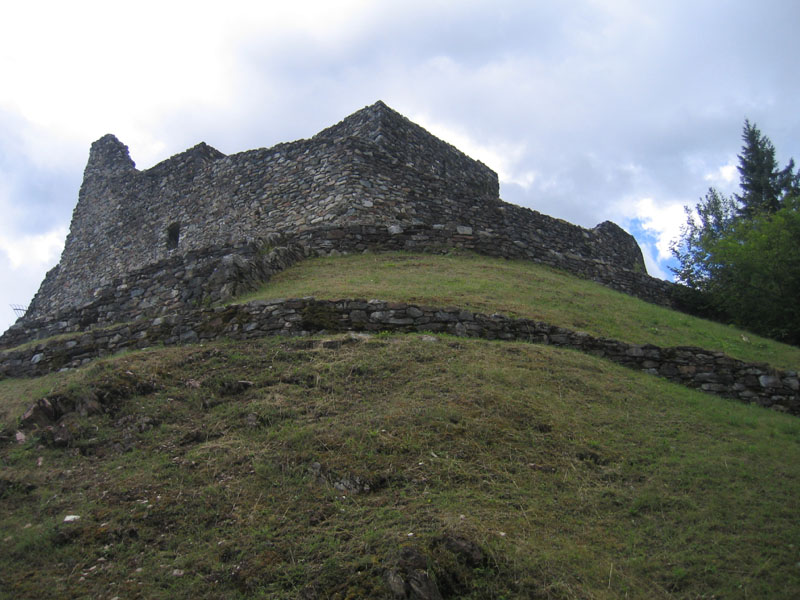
x,y
201,225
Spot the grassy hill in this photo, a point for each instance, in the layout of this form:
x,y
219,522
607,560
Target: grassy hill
x,y
519,289
348,466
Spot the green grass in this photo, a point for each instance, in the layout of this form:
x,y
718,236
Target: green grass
x,y
518,288
285,468
573,477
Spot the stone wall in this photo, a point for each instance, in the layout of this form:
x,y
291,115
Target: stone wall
x,y
711,372
202,278
173,285
165,238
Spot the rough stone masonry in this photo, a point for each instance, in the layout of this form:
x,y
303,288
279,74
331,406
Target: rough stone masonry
x,y
202,226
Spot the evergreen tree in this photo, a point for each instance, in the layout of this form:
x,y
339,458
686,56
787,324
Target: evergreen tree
x,y
764,187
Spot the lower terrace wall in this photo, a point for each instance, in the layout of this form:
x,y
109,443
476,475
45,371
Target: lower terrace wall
x,y
711,372
203,278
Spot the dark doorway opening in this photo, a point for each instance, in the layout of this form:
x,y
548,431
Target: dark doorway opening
x,y
173,236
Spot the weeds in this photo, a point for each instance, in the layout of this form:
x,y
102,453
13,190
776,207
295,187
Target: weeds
x,y
508,470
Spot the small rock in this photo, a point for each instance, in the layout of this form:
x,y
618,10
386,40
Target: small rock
x,y
177,573
464,548
422,586
71,518
770,381
411,558
409,579
360,337
41,413
62,436
396,583
414,312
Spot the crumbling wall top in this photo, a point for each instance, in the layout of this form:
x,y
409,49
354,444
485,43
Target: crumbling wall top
x,y
107,157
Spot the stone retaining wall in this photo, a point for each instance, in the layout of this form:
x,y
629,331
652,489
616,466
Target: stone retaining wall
x,y
539,245
711,372
173,285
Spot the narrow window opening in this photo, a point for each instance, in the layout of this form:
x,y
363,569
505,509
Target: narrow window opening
x,y
173,236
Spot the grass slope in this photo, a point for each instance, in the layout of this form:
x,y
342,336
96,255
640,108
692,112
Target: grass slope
x,y
314,467
572,477
518,288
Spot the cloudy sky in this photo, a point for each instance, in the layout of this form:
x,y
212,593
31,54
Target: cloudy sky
x,y
589,110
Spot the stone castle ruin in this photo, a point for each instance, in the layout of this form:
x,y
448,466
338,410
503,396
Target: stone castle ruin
x,y
201,226
150,254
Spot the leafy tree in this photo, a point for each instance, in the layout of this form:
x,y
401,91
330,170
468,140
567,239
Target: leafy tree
x,y
710,220
755,276
740,255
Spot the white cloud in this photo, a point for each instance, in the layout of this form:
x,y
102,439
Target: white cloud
x,y
502,156
726,174
662,221
33,251
723,178
652,262
24,261
85,68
